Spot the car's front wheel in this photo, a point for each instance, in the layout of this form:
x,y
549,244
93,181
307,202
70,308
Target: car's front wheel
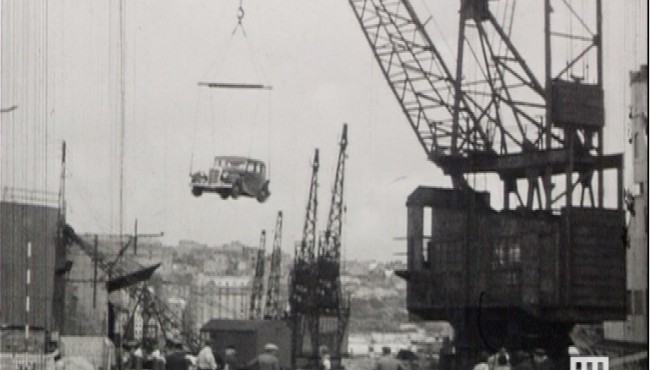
x,y
236,190
197,191
263,194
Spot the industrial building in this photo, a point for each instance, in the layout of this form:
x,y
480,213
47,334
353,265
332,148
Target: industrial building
x,y
631,336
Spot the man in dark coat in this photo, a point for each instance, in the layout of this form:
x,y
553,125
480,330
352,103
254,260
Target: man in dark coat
x,y
387,361
541,360
230,359
177,359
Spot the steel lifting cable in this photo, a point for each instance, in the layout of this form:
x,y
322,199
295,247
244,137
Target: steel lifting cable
x,y
216,64
570,45
193,138
229,85
240,17
585,60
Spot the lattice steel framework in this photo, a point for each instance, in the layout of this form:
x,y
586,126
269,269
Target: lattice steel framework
x,y
330,301
494,114
303,275
273,308
256,305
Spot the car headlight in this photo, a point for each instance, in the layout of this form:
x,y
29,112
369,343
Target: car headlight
x,y
224,175
199,177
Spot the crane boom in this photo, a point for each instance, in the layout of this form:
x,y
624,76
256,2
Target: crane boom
x,y
335,218
416,73
495,115
329,253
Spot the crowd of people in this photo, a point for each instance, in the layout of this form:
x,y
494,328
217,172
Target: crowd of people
x,y
521,360
177,358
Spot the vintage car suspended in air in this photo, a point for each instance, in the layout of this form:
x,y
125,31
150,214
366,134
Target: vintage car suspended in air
x,y
233,176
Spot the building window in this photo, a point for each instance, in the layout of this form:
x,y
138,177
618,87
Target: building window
x,y
514,252
426,253
498,255
506,253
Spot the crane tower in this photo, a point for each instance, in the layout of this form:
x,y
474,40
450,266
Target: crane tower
x,y
303,277
256,304
273,304
330,300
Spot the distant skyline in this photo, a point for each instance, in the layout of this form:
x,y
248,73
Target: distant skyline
x,y
323,74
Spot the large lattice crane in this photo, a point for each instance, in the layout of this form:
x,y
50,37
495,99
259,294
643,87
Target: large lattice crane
x,y
303,276
256,305
493,114
330,300
534,128
273,308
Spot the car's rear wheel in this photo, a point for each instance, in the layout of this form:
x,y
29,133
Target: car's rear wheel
x,y
223,195
236,190
197,191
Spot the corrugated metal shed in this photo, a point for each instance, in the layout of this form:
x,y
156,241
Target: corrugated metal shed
x,y
20,225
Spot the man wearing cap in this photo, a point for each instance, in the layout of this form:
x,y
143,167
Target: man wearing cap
x,y
325,362
541,361
387,362
177,359
267,359
230,359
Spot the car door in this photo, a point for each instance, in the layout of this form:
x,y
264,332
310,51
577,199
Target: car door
x,y
248,178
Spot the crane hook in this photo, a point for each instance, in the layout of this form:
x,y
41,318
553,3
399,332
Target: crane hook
x,y
240,14
240,17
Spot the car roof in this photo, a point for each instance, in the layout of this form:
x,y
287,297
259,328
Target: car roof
x,y
237,158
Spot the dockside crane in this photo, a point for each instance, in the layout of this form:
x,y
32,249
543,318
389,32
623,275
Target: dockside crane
x,y
151,304
256,305
273,308
523,276
503,119
304,277
330,299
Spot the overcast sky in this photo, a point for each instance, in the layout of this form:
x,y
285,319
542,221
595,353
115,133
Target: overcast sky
x,y
323,74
